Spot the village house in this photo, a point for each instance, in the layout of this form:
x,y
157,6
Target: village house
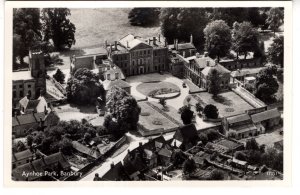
x,y
20,158
32,81
36,121
41,169
115,173
136,55
268,119
241,125
28,105
92,152
184,49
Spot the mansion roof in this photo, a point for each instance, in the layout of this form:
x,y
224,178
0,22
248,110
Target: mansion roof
x,y
268,114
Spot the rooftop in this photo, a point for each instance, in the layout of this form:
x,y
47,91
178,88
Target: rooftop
x,y
22,75
238,118
21,155
108,84
268,114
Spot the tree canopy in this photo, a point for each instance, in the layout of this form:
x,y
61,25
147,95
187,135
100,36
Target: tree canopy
x,y
218,38
144,16
211,111
180,23
186,115
213,82
84,87
245,38
276,51
58,28
266,85
275,18
59,76
124,108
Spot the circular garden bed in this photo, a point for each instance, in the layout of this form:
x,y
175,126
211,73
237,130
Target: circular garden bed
x,y
159,89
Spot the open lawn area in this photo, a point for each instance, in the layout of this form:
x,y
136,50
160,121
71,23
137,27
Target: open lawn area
x,y
153,120
157,88
228,103
94,26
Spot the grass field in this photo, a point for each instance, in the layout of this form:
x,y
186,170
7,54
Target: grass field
x,y
94,26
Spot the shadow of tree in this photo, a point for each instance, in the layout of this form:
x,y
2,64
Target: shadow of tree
x,y
88,109
222,100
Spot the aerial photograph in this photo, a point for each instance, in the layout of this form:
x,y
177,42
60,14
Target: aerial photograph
x,y
147,94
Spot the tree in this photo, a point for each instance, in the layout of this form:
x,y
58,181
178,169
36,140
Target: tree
x,y
211,111
143,16
186,115
266,85
87,137
58,28
189,166
203,138
29,139
59,76
245,38
251,144
217,175
180,23
218,39
124,108
275,18
240,155
66,146
84,87
213,82
27,30
276,51
163,102
212,135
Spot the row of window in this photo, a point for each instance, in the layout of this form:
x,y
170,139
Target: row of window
x,y
21,86
141,53
21,94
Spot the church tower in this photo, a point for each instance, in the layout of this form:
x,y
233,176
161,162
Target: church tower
x,y
38,71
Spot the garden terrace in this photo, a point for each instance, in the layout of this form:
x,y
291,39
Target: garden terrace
x,y
228,103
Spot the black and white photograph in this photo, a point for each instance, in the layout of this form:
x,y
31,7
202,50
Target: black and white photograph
x,y
147,93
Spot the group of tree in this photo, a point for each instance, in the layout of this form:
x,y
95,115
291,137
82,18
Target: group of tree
x,y
256,154
124,111
59,76
213,82
34,28
84,87
266,85
276,51
144,16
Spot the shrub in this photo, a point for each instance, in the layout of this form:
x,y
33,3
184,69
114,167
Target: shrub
x,y
212,135
211,111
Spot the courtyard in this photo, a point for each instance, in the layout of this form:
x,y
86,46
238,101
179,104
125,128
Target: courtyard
x,y
228,103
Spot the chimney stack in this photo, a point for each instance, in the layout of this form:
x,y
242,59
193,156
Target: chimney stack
x,y
159,38
191,38
154,40
127,44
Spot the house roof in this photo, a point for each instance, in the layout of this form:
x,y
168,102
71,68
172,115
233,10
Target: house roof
x,y
108,84
115,173
40,165
22,75
26,119
165,152
238,118
21,155
268,114
183,46
15,121
134,164
221,69
186,133
157,142
244,128
86,150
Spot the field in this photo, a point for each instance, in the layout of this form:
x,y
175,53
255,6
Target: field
x,y
228,103
94,26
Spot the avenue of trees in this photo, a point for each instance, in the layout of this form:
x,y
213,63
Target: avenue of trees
x,y
48,29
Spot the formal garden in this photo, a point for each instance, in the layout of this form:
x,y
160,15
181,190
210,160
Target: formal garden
x,y
159,89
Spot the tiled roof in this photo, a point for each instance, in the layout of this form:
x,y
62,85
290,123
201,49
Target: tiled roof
x,y
86,150
26,119
268,114
165,152
21,155
238,118
40,165
22,75
115,173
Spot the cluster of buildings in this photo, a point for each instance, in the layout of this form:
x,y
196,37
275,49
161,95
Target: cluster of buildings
x,y
161,159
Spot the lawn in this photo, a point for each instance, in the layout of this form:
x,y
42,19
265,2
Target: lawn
x,y
228,103
150,88
151,119
94,26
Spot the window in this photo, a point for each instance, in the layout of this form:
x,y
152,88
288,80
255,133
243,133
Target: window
x,y
14,94
141,53
14,87
144,52
29,86
125,64
21,86
148,51
21,94
133,63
